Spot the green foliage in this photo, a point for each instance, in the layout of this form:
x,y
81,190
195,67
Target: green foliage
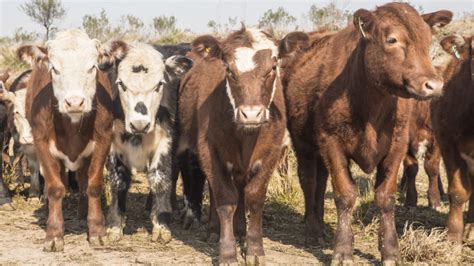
x,y
164,25
329,17
277,20
21,36
97,26
222,29
132,24
44,12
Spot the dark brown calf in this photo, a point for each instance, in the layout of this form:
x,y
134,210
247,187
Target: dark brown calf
x,y
348,98
72,127
232,114
422,144
452,116
5,125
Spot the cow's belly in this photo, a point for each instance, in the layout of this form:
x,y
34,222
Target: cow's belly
x,y
140,151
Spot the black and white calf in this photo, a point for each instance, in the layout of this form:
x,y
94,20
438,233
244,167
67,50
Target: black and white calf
x,y
146,88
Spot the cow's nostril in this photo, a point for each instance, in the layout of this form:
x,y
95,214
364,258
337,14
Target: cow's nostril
x,y
146,127
260,112
68,103
428,86
243,113
81,103
133,127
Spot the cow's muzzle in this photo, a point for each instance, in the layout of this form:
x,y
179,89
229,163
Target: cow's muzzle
x,y
75,104
140,126
251,115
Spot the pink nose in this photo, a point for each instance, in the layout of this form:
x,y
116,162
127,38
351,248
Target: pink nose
x,y
251,114
74,104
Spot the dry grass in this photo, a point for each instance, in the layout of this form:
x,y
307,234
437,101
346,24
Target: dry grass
x,y
417,244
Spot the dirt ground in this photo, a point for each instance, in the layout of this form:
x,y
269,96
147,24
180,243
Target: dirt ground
x,y
22,231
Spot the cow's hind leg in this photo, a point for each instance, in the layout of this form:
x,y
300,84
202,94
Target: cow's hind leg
x,y
5,199
408,182
120,179
432,161
193,187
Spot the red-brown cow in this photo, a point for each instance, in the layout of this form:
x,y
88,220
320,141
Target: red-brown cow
x,y
348,98
422,144
69,107
452,116
232,115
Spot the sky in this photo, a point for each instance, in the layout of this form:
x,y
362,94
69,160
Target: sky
x,y
194,15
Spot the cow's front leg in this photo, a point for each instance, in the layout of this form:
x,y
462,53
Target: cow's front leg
x,y
34,193
160,180
120,179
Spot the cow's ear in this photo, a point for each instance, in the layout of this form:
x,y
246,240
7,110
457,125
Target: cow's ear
x,y
178,65
32,54
292,43
438,19
6,95
454,45
364,20
4,75
111,53
206,47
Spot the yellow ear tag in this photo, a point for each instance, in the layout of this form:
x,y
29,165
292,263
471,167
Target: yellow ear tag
x,y
360,26
207,50
456,52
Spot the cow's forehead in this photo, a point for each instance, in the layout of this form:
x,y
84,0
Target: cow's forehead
x,y
142,66
244,57
72,43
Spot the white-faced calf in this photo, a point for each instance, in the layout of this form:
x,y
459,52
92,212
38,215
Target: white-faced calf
x,y
146,88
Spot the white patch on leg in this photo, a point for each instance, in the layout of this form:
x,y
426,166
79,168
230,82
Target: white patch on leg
x,y
422,148
469,161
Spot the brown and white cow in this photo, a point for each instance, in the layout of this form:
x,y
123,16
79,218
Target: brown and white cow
x,y
69,107
232,115
452,116
422,144
348,98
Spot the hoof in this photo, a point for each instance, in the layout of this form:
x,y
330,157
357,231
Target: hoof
x,y
312,241
255,260
229,262
114,234
389,263
161,234
7,207
96,241
212,238
190,222
338,259
54,245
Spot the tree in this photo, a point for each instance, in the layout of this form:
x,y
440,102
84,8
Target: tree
x,y
222,29
329,17
132,24
277,20
44,12
97,26
164,25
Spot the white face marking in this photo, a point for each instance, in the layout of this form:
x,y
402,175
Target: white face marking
x,y
244,55
229,166
19,118
141,86
422,148
71,165
73,59
469,161
231,98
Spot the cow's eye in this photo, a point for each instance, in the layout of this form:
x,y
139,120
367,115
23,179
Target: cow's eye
x,y
120,85
158,87
91,69
392,40
52,69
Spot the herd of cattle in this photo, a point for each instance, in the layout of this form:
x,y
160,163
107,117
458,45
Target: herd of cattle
x,y
220,110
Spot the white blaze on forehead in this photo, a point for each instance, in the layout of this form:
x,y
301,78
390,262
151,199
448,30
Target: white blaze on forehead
x,y
244,55
72,48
